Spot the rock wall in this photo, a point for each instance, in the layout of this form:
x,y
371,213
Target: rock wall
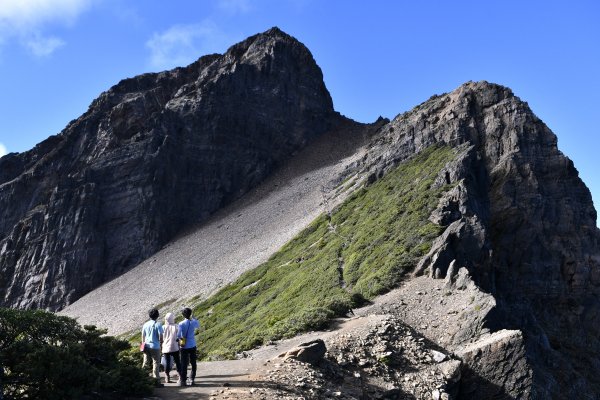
x,y
152,155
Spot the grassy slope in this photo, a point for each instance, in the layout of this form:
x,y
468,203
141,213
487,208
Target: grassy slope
x,y
361,249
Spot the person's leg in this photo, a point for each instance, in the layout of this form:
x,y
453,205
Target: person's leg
x,y
156,363
147,360
184,363
193,362
177,362
167,366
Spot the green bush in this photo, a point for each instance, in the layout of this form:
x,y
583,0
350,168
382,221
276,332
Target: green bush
x,y
46,356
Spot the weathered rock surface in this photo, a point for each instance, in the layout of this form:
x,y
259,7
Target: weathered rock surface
x,y
497,367
151,156
375,356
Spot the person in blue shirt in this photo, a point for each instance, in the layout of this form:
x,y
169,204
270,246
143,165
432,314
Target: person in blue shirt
x,y
187,332
152,336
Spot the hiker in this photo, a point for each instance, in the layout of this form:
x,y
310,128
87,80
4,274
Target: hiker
x,y
170,346
152,336
187,343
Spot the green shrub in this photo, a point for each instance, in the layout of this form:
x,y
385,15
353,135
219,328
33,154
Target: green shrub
x,y
361,249
46,356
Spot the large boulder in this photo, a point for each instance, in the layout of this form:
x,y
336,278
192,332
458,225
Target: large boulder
x,y
310,352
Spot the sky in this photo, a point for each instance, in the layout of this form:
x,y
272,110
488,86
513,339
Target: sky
x,y
378,57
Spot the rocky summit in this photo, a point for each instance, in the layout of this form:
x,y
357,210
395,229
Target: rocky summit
x,y
519,221
503,302
152,155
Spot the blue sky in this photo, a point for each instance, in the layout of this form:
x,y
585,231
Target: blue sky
x,y
378,57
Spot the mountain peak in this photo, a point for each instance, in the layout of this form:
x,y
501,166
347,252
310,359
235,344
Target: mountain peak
x,y
254,106
275,32
273,44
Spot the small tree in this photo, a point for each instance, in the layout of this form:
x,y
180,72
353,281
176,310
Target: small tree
x,y
46,356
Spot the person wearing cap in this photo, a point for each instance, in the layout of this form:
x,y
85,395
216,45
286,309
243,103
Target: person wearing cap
x,y
152,335
187,335
170,346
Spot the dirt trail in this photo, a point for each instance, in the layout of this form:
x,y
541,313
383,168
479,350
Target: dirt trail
x,y
242,377
263,375
211,378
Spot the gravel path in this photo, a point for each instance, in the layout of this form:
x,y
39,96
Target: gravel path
x,y
264,375
219,379
245,375
236,239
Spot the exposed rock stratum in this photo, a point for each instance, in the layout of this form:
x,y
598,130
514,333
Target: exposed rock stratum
x,y
160,153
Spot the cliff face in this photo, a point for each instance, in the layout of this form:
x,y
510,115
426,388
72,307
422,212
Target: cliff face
x,y
521,222
151,156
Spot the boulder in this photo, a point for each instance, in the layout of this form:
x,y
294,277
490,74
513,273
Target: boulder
x,y
311,352
496,366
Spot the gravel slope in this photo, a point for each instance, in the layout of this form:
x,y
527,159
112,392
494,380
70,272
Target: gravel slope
x,y
236,239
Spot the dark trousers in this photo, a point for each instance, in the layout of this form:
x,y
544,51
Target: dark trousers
x,y
175,355
187,356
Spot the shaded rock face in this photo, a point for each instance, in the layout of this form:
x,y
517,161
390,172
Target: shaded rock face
x,y
151,156
497,367
520,220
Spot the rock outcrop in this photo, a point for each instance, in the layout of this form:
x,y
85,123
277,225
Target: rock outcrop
x,y
497,367
372,357
152,155
519,220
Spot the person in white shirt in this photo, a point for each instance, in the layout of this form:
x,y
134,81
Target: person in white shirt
x,y
170,346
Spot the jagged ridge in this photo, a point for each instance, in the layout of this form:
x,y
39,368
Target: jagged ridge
x,y
521,222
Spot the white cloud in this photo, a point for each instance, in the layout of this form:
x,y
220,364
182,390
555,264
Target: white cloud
x,y
27,14
25,20
3,150
234,6
43,46
182,44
